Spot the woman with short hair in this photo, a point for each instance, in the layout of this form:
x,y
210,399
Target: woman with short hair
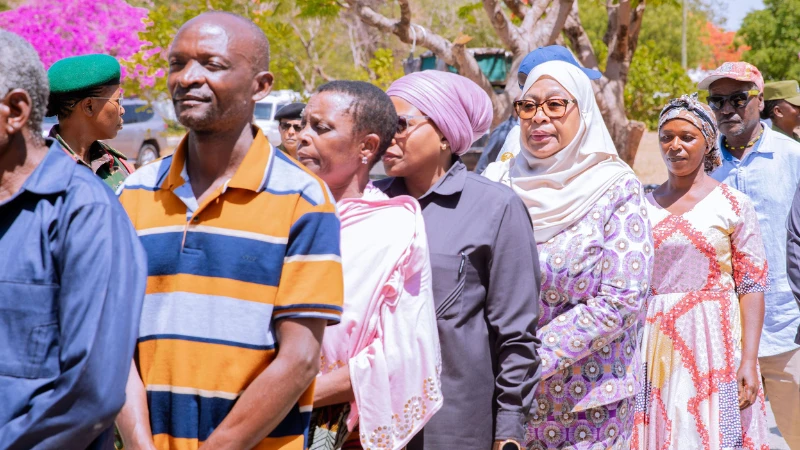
x,y
380,366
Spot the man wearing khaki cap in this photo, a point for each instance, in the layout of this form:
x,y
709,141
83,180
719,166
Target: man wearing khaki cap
x,y
782,107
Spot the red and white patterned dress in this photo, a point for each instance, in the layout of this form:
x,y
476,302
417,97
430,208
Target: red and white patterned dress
x,y
704,259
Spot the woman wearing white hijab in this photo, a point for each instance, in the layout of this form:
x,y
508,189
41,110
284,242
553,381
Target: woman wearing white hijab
x,y
596,255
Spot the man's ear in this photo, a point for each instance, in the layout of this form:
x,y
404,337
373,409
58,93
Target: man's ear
x,y
19,106
776,110
263,84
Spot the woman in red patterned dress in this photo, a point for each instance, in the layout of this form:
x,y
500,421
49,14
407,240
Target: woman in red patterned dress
x,y
702,386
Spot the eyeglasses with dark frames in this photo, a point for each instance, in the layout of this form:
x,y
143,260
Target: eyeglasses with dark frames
x,y
737,100
554,108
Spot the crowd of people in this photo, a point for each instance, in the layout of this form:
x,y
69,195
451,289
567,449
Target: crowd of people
x,y
239,294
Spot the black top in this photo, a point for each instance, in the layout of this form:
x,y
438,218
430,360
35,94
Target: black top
x,y
486,291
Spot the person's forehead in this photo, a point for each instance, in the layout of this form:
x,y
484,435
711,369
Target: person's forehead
x,y
546,87
728,86
293,120
331,104
210,38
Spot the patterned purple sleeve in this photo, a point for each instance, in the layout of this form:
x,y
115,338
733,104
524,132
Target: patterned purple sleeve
x,y
599,317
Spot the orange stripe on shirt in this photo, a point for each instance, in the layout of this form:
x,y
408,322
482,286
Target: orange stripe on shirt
x,y
304,281
200,365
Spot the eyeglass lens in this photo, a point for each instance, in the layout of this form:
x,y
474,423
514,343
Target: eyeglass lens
x,y
297,127
554,109
737,100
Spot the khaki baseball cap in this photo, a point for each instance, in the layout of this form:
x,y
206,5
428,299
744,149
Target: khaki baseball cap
x,y
788,90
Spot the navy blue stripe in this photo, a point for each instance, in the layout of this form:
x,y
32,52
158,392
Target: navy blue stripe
x,y
214,255
191,416
308,306
315,233
141,187
300,193
181,337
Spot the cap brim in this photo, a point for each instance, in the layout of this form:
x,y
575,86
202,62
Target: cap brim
x,y
708,81
592,74
794,100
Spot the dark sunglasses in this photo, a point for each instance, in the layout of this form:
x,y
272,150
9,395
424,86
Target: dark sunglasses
x,y
555,108
738,100
286,125
403,123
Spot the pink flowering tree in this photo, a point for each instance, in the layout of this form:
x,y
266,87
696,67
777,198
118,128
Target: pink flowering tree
x,y
61,28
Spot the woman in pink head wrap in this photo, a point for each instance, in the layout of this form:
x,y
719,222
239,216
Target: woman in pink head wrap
x,y
484,261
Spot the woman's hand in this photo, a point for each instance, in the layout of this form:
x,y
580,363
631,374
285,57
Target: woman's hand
x,y
747,381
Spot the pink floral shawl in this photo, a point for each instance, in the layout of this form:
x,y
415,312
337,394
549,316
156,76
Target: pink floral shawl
x,y
388,333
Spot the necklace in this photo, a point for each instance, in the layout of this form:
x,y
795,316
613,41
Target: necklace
x,y
749,144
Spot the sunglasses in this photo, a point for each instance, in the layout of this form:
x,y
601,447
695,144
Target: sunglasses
x,y
738,100
286,125
403,123
555,108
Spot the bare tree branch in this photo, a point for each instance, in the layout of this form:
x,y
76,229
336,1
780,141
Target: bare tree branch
x,y
548,28
534,15
579,39
506,31
517,7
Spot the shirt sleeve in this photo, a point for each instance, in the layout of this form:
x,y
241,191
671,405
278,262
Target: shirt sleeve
x,y
102,268
793,251
311,284
627,264
512,312
396,379
748,256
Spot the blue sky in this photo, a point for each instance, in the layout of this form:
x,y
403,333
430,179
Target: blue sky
x,y
735,10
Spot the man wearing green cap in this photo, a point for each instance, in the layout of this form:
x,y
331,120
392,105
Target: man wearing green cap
x,y
782,106
85,95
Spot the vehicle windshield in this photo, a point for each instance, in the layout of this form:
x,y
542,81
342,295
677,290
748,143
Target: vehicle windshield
x,y
263,111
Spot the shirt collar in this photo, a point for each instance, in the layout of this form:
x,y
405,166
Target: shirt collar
x,y
53,174
452,182
250,174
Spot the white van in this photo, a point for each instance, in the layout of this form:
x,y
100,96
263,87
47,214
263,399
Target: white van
x,y
264,115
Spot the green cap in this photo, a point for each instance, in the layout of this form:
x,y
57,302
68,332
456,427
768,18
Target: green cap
x,y
783,90
78,73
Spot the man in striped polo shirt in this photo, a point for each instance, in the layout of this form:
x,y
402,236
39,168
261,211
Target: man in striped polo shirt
x,y
243,262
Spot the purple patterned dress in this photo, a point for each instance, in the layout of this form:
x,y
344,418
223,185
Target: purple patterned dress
x,y
595,279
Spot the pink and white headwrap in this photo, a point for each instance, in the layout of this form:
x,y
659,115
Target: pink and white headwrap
x,y
460,108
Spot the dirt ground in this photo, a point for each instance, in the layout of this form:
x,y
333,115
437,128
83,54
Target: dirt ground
x,y
649,166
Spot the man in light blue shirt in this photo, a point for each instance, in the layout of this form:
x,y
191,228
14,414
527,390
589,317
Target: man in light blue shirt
x,y
765,165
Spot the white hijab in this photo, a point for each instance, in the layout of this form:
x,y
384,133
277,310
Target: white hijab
x,y
561,189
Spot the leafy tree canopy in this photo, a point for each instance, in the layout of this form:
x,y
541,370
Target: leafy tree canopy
x,y
773,36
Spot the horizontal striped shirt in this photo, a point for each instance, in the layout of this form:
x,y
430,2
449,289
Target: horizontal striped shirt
x,y
263,247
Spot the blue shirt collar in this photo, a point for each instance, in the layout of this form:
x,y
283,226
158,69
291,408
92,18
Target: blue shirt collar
x,y
53,174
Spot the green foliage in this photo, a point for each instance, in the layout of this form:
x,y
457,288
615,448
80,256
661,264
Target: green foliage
x,y
467,12
318,8
773,36
654,79
385,68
